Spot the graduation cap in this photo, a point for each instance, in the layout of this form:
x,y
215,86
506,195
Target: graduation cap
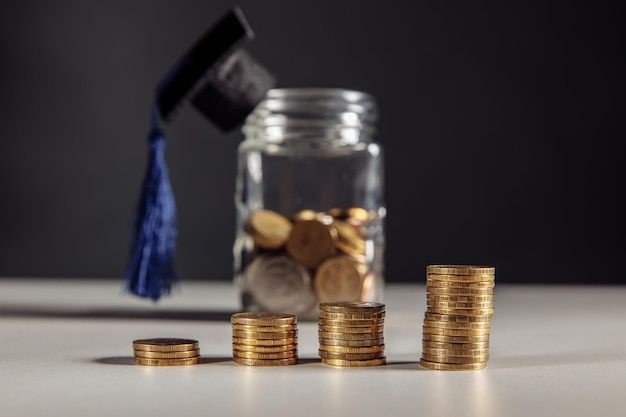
x,y
224,83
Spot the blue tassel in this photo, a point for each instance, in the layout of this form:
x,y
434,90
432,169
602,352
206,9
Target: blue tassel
x,y
151,271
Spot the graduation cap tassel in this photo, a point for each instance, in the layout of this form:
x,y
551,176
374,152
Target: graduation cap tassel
x,y
224,83
151,271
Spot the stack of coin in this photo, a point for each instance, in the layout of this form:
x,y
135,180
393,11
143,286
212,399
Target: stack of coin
x,y
166,352
458,318
265,339
351,334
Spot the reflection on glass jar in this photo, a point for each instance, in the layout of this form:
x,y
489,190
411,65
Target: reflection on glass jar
x,y
309,202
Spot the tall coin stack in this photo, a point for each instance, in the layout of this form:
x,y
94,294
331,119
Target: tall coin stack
x,y
166,352
265,339
351,334
458,318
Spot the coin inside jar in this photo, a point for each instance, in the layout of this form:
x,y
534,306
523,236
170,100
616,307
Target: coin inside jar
x,y
338,279
278,283
269,229
349,240
311,242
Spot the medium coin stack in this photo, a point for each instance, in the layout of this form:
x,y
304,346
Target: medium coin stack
x,y
166,352
265,339
458,318
351,334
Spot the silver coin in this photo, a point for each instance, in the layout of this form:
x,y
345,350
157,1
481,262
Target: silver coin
x,y
278,283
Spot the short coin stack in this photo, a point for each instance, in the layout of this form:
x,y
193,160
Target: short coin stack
x,y
166,352
265,339
458,318
351,334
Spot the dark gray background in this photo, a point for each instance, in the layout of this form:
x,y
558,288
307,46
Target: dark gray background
x,y
502,124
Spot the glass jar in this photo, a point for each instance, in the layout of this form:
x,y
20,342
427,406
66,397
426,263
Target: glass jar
x,y
309,201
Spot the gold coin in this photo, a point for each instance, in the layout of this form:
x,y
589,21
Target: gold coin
x,y
455,352
457,318
352,343
270,230
351,316
167,355
457,298
350,336
352,307
265,355
307,215
353,349
455,346
349,240
455,332
165,344
455,339
352,323
460,270
266,362
265,342
460,305
265,349
355,330
311,242
430,283
459,291
265,335
338,279
273,329
461,311
350,356
453,366
167,362
263,319
457,325
357,213
454,359
461,278
354,363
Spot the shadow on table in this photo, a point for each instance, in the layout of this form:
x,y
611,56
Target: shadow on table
x,y
122,314
556,359
129,360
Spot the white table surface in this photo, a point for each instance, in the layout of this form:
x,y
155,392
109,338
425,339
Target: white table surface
x,y
66,350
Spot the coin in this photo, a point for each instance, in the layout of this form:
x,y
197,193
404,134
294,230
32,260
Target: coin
x,y
248,328
455,332
343,329
311,242
352,323
353,349
456,318
265,355
349,336
270,230
456,352
460,270
352,343
349,240
354,363
265,342
263,319
167,362
278,283
350,356
352,307
265,349
455,339
266,362
165,344
356,213
432,283
265,335
458,291
457,325
338,279
351,316
306,215
459,305
457,298
453,366
454,359
461,278
167,355
459,346
461,311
